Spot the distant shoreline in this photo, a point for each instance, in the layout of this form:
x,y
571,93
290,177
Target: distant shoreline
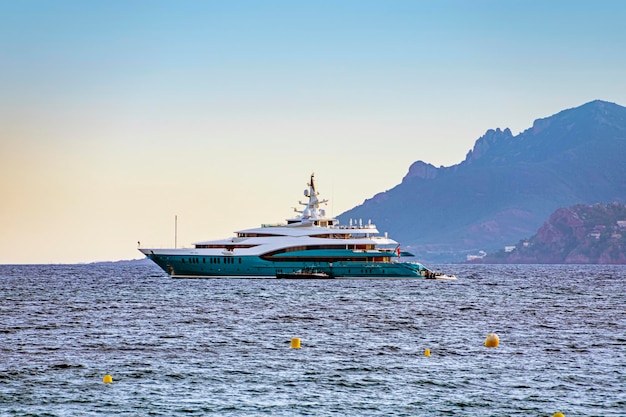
x,y
141,261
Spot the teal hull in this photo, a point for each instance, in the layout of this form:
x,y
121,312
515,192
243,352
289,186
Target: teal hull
x,y
255,267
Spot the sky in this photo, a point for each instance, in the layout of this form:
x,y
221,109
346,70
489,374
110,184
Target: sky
x,y
116,117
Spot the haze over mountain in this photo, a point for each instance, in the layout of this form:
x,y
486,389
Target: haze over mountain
x,y
507,186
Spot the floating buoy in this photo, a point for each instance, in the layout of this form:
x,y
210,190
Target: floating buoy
x,y
558,414
295,343
492,340
107,379
427,352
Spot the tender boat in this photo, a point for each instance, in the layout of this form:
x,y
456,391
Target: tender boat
x,y
305,273
309,241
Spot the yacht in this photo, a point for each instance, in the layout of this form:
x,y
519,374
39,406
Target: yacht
x,y
310,241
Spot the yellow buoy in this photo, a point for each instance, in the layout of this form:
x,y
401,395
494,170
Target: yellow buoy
x,y
492,340
107,379
427,352
295,343
558,414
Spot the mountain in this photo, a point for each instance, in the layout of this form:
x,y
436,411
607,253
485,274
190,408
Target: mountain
x,y
506,186
580,234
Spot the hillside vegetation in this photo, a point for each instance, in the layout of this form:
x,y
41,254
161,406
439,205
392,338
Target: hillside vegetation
x,y
577,235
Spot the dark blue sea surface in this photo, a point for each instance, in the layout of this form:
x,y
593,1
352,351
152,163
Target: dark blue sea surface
x,y
222,347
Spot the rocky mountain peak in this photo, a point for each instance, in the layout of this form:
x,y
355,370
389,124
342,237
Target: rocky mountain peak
x,y
595,113
489,140
508,185
421,169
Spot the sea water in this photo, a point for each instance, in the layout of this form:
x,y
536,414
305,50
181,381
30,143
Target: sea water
x,y
222,347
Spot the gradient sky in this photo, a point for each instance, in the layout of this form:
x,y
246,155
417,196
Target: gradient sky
x,y
115,116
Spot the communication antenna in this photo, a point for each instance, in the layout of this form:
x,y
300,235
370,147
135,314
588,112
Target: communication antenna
x,y
175,231
332,200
